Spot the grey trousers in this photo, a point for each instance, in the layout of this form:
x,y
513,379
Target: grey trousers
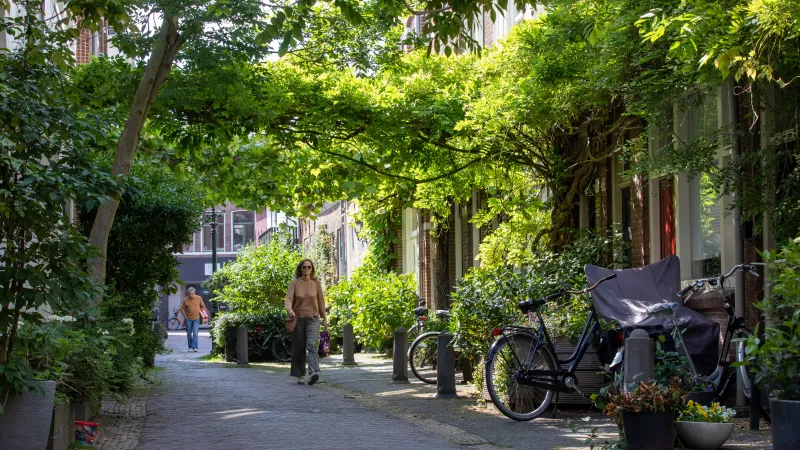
x,y
305,345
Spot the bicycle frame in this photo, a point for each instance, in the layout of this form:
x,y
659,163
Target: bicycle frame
x,y
558,380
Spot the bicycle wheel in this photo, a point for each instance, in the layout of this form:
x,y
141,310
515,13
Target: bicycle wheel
x,y
422,357
282,348
512,354
412,334
174,324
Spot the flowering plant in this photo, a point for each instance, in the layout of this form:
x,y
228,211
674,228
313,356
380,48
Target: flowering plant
x,y
695,412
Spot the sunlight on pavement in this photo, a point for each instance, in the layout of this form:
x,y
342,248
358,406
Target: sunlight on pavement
x,y
236,413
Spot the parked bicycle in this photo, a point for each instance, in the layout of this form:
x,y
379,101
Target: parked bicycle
x,y
278,342
423,354
736,331
522,371
178,321
421,317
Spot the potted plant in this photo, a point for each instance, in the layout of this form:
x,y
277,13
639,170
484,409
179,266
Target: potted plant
x,y
705,427
647,414
775,361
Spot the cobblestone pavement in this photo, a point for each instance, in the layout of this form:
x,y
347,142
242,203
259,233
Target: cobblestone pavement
x,y
222,406
121,423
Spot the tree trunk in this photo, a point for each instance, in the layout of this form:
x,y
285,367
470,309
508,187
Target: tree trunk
x,y
155,74
441,267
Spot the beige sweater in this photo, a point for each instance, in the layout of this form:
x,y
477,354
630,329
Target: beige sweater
x,y
305,298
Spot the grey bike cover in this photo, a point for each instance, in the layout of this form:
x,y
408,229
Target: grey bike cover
x,y
625,299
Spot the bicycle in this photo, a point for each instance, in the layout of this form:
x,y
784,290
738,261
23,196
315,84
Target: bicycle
x,y
522,372
737,331
423,353
279,343
421,317
175,323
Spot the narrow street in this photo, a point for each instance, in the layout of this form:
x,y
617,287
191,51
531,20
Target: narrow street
x,y
217,406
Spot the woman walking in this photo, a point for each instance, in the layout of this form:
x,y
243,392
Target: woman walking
x,y
305,302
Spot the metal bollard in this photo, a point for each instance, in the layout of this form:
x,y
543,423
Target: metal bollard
x,y
446,367
400,369
348,346
639,361
241,346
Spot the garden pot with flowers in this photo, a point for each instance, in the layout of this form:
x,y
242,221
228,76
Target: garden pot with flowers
x,y
647,414
705,427
671,368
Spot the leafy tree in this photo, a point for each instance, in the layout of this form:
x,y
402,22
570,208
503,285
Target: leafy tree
x,y
46,159
156,217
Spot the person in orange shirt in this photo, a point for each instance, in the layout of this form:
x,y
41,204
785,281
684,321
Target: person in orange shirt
x,y
191,307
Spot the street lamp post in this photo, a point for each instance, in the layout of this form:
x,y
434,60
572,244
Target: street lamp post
x,y
213,216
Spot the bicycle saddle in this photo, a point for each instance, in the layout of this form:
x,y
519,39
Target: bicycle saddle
x,y
663,309
421,311
442,313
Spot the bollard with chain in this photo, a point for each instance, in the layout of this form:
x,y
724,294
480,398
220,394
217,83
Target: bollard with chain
x,y
241,346
445,367
348,346
639,361
400,369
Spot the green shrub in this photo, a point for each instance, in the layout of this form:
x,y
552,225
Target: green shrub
x,y
271,319
87,359
776,360
487,298
258,279
376,302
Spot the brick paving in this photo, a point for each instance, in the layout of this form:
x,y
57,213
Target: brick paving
x,y
121,423
215,405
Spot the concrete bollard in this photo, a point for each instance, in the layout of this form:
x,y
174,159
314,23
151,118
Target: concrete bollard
x,y
445,367
400,369
241,346
348,346
639,359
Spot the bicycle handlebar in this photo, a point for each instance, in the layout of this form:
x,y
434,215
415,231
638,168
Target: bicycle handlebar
x,y
526,305
717,280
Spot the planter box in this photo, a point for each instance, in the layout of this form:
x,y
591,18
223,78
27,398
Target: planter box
x,y
62,428
84,412
25,422
589,373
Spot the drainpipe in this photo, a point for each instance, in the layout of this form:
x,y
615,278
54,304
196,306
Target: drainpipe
x,y
738,244
419,253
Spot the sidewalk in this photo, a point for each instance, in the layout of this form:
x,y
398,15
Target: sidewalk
x,y
370,382
215,405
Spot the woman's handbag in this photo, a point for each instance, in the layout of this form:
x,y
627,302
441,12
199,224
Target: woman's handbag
x,y
324,344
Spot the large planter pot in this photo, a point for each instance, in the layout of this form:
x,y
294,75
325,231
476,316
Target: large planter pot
x,y
649,430
785,424
703,435
705,398
25,422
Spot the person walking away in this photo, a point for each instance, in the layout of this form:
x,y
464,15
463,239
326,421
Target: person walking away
x,y
305,301
191,307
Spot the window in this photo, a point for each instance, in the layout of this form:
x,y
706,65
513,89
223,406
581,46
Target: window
x,y
704,211
206,240
244,229
705,227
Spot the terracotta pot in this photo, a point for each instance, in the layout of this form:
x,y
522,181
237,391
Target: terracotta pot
x,y
704,435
